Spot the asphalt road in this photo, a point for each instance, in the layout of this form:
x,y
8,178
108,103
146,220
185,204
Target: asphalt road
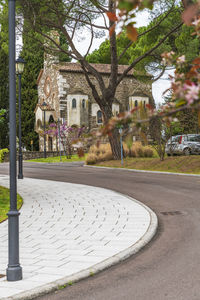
x,y
169,266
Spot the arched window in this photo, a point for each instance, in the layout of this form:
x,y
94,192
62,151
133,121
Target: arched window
x,y
39,124
51,119
74,103
136,103
83,103
99,117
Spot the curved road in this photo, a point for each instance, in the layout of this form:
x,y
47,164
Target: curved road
x,y
169,266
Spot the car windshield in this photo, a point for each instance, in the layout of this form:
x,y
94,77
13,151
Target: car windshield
x,y
194,138
171,140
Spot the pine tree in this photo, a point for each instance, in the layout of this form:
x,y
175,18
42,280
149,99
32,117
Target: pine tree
x,y
4,91
33,54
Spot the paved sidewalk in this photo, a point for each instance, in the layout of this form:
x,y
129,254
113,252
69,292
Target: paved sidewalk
x,y
71,231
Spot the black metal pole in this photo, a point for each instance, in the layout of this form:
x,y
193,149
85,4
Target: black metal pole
x,y
14,270
59,138
45,155
20,158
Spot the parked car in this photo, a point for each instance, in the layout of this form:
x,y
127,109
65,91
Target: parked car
x,y
183,144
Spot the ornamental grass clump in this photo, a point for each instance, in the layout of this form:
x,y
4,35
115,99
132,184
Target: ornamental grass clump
x,y
148,151
91,159
137,150
126,150
99,153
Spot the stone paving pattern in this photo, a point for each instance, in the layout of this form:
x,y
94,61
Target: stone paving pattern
x,y
66,228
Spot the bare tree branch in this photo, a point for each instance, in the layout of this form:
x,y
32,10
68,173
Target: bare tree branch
x,y
138,59
145,32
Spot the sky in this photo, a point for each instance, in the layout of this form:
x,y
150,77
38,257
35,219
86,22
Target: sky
x,y
160,86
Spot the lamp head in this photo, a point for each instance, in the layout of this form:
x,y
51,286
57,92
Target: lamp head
x,y
44,106
19,63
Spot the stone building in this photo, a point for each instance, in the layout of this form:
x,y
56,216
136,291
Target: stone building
x,y
63,87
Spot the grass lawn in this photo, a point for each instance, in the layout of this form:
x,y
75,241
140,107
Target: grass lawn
x,y
177,164
56,159
4,202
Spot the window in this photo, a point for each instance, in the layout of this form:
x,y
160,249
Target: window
x,y
74,103
51,119
99,117
83,103
194,138
136,103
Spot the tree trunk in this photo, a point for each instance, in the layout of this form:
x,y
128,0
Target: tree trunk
x,y
115,144
113,137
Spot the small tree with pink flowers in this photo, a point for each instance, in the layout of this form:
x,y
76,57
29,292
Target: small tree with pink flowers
x,y
69,137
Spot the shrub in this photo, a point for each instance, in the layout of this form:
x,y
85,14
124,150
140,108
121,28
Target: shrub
x,y
148,151
137,150
93,149
91,159
140,152
133,152
127,150
2,151
105,148
80,152
97,154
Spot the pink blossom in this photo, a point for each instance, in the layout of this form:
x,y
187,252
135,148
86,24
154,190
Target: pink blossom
x,y
52,125
196,22
181,59
192,92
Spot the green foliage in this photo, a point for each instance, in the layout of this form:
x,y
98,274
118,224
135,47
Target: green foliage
x,y
5,202
188,44
56,159
63,57
101,55
181,42
2,151
4,96
2,115
61,287
188,121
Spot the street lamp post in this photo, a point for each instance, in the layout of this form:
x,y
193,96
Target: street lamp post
x,y
44,106
121,145
14,270
19,70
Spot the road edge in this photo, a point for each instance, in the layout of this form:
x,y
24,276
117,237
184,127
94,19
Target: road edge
x,y
142,171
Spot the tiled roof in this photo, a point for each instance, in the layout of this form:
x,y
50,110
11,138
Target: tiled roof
x,y
46,108
102,68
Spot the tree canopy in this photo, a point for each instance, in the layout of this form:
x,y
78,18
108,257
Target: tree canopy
x,y
4,97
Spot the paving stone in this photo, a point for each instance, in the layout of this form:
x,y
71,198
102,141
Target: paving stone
x,y
67,229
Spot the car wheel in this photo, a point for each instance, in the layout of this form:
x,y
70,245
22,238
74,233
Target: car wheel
x,y
187,151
